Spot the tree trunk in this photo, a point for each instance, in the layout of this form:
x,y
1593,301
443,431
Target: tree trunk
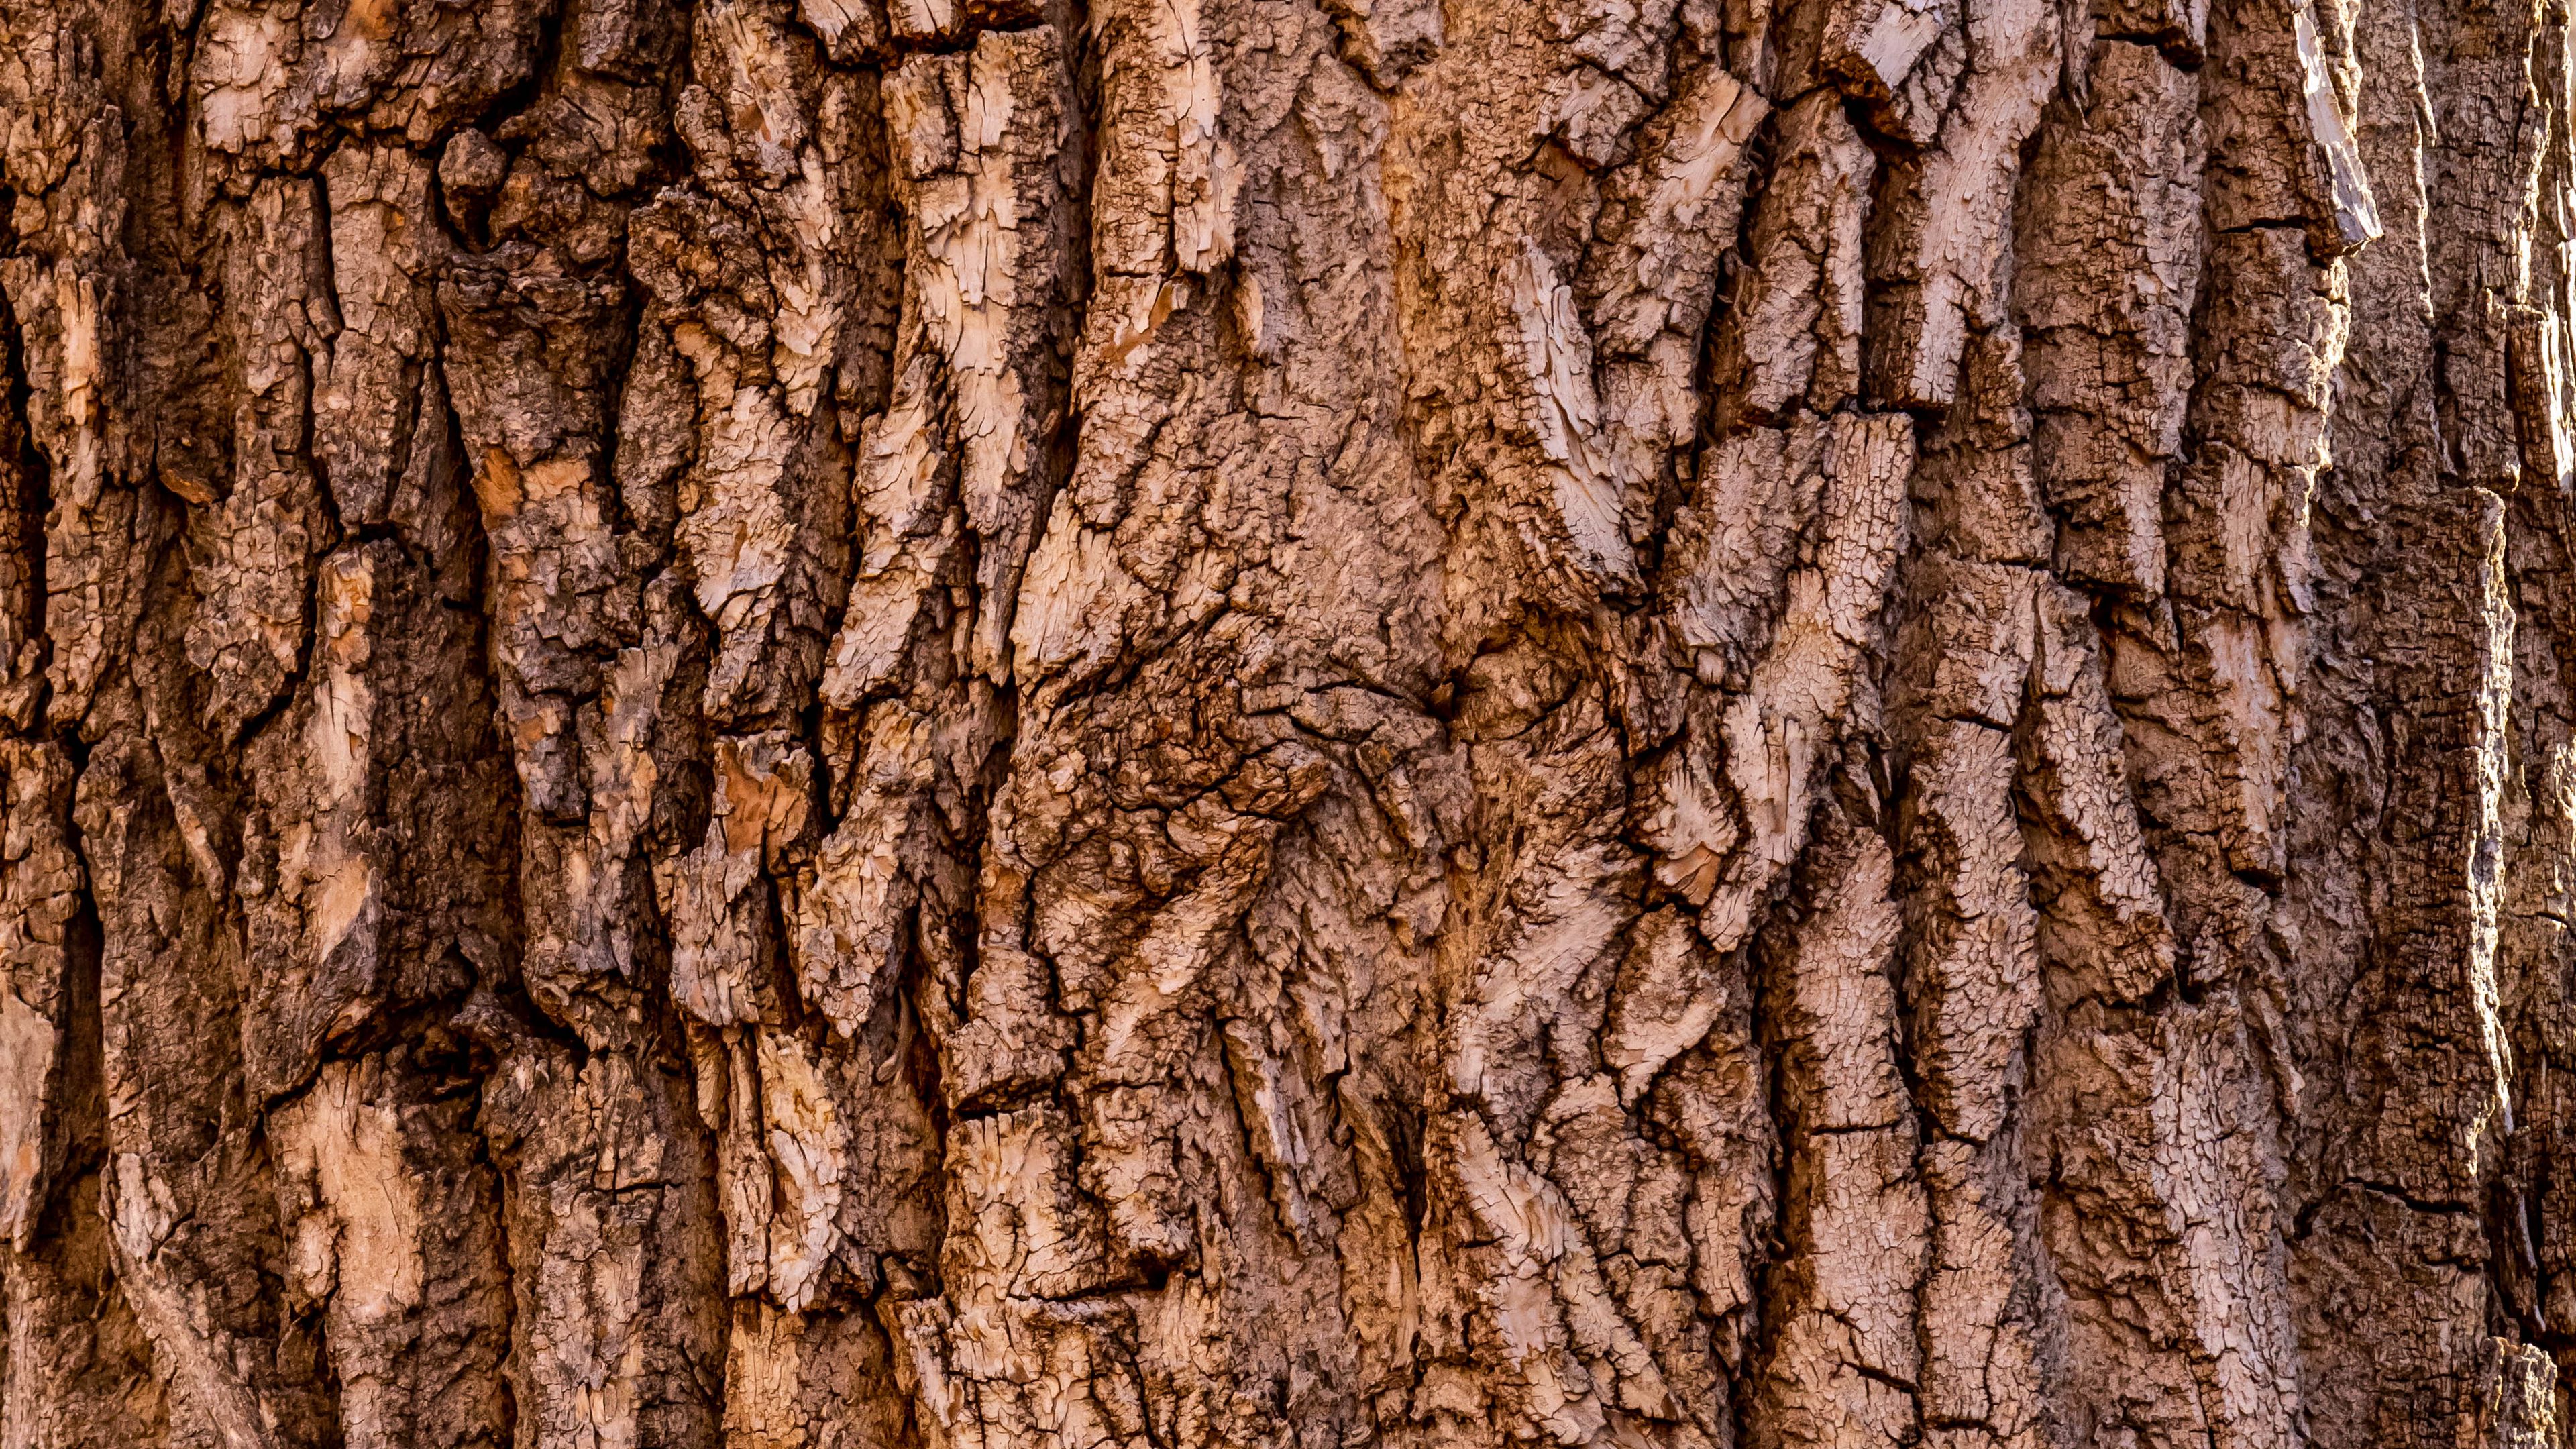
x,y
1005,724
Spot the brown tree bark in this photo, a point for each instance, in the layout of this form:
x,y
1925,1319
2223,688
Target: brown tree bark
x,y
1049,724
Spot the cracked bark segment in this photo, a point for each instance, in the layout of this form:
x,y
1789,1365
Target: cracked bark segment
x,y
2179,26
1973,989
2401,1189
1164,201
2195,1278
2163,1226
610,1216
22,554
41,890
1734,545
93,588
1967,651
1548,1314
79,1369
585,655
725,965
1151,539
360,790
2516,1398
2217,1175
186,1192
927,22
1727,591
1793,333
379,411
1972,983
1669,993
1645,294
602,113
1328,1116
70,316
824,1165
2281,150
252,541
2235,636
755,266
1232,700
1630,1197
1587,495
1940,233
2101,899
528,337
2465,633
642,756
880,883
339,930
808,1140
1580,84
1714,1102
1241,705
981,144
268,85
2537,354
762,506
1012,1350
953,478
1843,1363
1568,892
1985,1380
395,1237
1139,959
2240,554
1573,1365
1976,480
792,1381
1901,60
2234,646
818,1134
1387,39
1776,732
2109,246
55,91
1531,1325
1605,348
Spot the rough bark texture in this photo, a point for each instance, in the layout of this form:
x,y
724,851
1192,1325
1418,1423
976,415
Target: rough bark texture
x,y
1137,724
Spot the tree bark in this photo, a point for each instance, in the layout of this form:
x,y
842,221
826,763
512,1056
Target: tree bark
x,y
1050,724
